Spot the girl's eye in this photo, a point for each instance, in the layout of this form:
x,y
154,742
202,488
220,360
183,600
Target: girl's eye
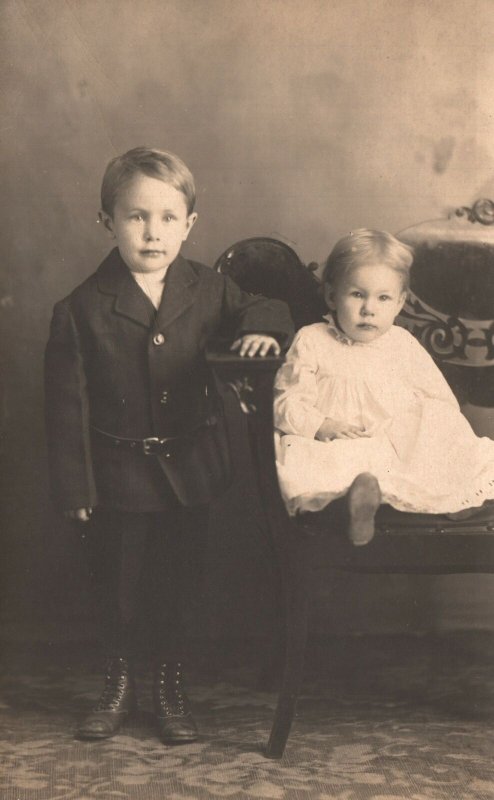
x,y
385,297
356,294
137,217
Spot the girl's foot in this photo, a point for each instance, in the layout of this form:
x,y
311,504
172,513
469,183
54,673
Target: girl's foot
x,y
364,498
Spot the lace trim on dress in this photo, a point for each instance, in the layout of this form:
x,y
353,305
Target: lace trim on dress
x,y
336,332
474,497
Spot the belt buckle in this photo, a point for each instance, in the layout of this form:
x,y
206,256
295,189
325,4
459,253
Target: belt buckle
x,y
151,446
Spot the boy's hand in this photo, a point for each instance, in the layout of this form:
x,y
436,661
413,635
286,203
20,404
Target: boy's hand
x,y
333,429
256,344
79,514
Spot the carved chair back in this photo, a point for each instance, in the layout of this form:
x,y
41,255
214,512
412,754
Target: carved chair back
x,y
450,308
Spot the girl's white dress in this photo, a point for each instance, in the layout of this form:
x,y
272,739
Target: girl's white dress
x,y
422,450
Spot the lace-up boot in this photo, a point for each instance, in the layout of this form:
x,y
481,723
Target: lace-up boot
x,y
175,721
116,703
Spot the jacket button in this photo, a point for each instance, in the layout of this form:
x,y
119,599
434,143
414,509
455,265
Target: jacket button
x,y
164,398
158,339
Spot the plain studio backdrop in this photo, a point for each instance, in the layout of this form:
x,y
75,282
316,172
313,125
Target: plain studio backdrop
x,y
299,121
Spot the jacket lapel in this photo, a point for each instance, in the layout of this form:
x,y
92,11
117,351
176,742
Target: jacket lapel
x,y
114,278
181,284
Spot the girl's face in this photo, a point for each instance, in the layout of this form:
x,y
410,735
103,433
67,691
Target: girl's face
x,y
367,300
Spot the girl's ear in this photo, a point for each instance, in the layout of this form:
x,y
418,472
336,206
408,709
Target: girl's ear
x,y
329,296
403,299
107,221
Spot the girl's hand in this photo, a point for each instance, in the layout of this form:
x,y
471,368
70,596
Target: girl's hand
x,y
333,429
79,514
256,344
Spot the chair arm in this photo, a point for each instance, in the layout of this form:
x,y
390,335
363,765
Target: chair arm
x,y
250,379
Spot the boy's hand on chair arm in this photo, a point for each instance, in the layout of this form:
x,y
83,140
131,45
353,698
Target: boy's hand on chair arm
x,y
256,344
78,514
334,429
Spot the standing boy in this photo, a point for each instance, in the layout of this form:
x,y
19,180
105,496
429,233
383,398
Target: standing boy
x,y
135,425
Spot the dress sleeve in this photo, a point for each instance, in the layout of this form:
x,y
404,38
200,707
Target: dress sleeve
x,y
295,404
428,380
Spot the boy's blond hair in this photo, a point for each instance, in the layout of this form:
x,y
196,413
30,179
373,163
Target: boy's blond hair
x,y
365,246
158,164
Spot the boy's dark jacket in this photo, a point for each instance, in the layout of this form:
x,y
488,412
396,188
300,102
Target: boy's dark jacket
x,y
105,369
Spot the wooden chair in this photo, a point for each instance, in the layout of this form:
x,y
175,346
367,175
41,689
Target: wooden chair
x,y
451,312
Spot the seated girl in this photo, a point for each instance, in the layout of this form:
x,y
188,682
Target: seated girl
x,y
362,408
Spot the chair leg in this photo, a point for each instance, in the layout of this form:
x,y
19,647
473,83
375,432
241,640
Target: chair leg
x,y
296,624
290,553
273,666
270,674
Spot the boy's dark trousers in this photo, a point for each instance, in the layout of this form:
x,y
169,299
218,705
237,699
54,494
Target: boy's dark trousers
x,y
147,573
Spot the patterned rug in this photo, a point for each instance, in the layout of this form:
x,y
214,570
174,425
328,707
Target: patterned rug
x,y
378,719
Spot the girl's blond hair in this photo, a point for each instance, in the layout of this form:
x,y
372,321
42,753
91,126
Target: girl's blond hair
x,y
365,246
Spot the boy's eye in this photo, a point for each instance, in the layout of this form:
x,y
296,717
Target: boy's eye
x,y
137,217
169,218
385,297
356,293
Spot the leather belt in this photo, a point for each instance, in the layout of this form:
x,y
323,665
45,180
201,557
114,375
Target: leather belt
x,y
152,445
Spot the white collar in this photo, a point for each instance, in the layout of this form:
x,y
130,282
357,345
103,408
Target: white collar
x,y
152,284
156,276
336,333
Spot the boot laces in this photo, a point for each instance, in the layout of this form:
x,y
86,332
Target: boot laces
x,y
170,690
116,683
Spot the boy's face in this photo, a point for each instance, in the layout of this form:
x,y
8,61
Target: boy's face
x,y
367,301
150,221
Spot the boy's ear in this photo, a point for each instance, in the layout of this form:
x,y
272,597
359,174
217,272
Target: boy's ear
x,y
329,296
107,222
190,222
